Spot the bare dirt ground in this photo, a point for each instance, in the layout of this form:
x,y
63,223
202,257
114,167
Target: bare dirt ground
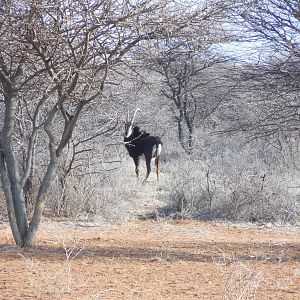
x,y
152,260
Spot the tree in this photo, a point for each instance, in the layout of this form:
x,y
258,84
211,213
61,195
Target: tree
x,y
272,84
187,85
265,105
56,57
184,65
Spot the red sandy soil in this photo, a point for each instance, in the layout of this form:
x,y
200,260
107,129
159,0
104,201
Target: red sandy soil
x,y
152,260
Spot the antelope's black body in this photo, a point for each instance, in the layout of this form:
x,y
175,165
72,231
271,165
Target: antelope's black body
x,y
141,144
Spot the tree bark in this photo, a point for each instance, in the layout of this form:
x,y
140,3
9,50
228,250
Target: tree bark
x,y
30,238
10,177
9,202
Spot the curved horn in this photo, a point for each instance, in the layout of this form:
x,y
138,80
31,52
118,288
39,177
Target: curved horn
x,y
127,117
135,112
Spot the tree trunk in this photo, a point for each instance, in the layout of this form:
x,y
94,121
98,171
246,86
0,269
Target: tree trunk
x,y
9,202
10,177
180,130
190,140
187,143
30,238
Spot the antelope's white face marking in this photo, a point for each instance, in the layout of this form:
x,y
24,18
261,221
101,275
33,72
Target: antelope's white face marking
x,y
128,131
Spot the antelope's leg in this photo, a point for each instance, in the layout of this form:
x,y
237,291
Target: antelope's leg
x,y
148,165
137,163
157,163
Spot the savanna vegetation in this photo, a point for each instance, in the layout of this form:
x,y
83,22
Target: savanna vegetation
x,y
217,80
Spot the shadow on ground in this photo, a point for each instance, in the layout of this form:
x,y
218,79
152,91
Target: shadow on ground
x,y
203,252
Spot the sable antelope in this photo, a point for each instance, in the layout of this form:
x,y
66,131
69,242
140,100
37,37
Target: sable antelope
x,y
141,145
